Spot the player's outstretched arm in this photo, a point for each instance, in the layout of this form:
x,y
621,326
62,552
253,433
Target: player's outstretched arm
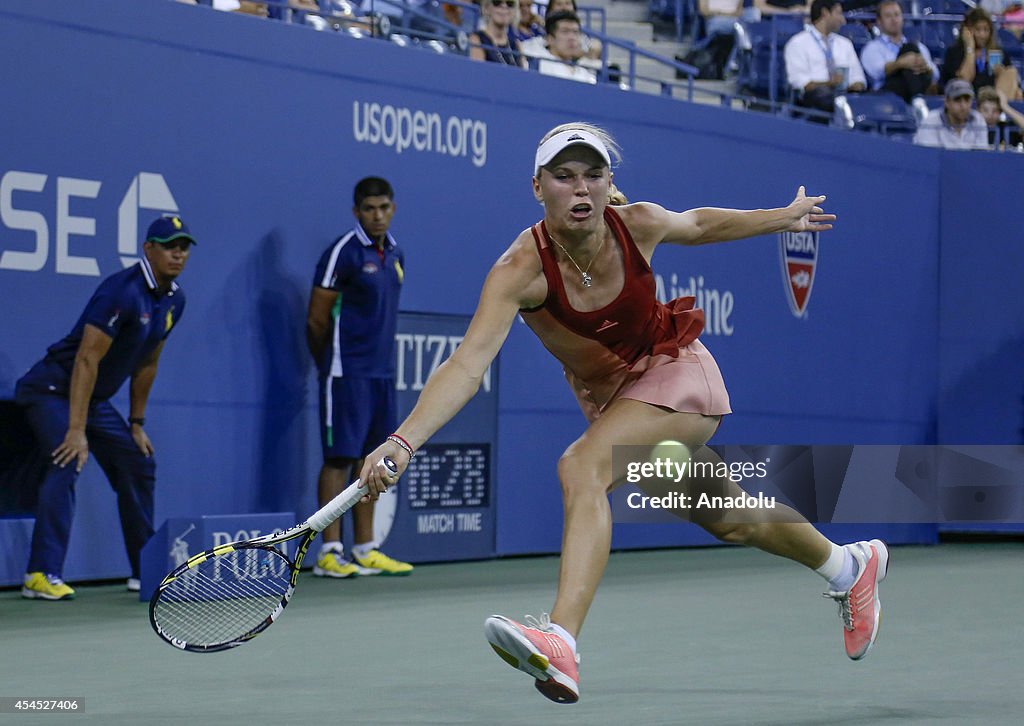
x,y
710,224
458,379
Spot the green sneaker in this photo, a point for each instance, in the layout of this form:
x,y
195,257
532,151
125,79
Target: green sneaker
x,y
40,586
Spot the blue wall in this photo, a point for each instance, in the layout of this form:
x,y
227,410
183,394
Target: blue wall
x,y
256,132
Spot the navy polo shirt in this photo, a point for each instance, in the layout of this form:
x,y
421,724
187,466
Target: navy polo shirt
x,y
128,307
365,318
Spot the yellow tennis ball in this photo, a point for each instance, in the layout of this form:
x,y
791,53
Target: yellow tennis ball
x,y
673,450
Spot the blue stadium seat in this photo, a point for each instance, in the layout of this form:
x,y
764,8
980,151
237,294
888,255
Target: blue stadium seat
x,y
761,53
943,7
884,113
1011,46
858,35
937,35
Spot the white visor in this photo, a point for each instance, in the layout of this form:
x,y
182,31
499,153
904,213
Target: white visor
x,y
563,140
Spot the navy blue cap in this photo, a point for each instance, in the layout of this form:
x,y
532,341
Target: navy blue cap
x,y
166,229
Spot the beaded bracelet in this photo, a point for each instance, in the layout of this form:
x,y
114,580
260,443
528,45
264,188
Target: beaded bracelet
x,y
404,444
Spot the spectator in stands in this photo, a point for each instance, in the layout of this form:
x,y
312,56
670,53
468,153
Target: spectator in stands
x,y
783,7
820,63
711,55
719,16
247,7
893,63
494,42
452,13
978,59
1011,12
563,58
956,125
294,12
589,46
530,24
66,398
996,110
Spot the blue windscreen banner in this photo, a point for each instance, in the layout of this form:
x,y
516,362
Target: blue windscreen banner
x,y
256,132
444,505
179,538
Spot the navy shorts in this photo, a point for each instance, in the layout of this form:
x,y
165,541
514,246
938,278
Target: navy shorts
x,y
356,415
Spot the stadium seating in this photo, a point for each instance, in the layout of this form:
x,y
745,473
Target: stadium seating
x,y
762,70
1011,45
857,33
881,113
937,36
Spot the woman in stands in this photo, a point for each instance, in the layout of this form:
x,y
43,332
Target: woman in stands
x,y
494,42
978,59
581,279
530,25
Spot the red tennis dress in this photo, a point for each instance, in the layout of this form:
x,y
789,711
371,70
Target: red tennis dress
x,y
635,346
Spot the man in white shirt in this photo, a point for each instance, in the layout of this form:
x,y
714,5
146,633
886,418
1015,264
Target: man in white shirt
x,y
562,58
820,63
894,63
955,125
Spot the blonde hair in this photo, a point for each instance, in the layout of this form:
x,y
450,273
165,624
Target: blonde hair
x,y
488,4
989,94
615,197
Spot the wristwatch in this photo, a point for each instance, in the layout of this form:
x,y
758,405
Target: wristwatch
x,y
137,420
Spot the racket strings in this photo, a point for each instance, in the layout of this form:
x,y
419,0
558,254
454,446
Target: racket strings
x,y
224,597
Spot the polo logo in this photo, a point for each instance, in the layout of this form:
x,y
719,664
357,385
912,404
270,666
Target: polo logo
x,y
605,326
370,268
799,255
575,137
144,319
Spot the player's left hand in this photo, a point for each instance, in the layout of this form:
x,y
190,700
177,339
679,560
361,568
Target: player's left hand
x,y
808,216
142,440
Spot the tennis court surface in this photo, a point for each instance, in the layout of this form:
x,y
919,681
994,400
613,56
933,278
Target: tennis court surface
x,y
687,636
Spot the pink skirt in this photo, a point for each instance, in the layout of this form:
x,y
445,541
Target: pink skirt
x,y
690,383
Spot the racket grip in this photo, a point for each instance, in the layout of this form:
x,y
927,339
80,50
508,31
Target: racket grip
x,y
343,502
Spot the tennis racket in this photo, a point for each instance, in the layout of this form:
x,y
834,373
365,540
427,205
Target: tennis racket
x,y
228,595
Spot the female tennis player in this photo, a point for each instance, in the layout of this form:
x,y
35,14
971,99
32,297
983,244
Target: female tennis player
x,y
581,279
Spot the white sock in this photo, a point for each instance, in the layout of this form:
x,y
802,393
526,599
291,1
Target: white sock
x,y
332,546
559,630
364,549
840,569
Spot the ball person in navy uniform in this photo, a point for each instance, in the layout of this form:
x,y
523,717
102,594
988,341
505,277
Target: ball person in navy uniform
x,y
119,335
350,329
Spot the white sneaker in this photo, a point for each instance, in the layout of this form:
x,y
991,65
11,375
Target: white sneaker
x,y
133,584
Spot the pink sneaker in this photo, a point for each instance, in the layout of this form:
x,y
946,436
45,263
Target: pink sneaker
x,y
859,607
538,652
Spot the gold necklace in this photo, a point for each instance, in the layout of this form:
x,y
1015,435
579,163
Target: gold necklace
x,y
587,279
